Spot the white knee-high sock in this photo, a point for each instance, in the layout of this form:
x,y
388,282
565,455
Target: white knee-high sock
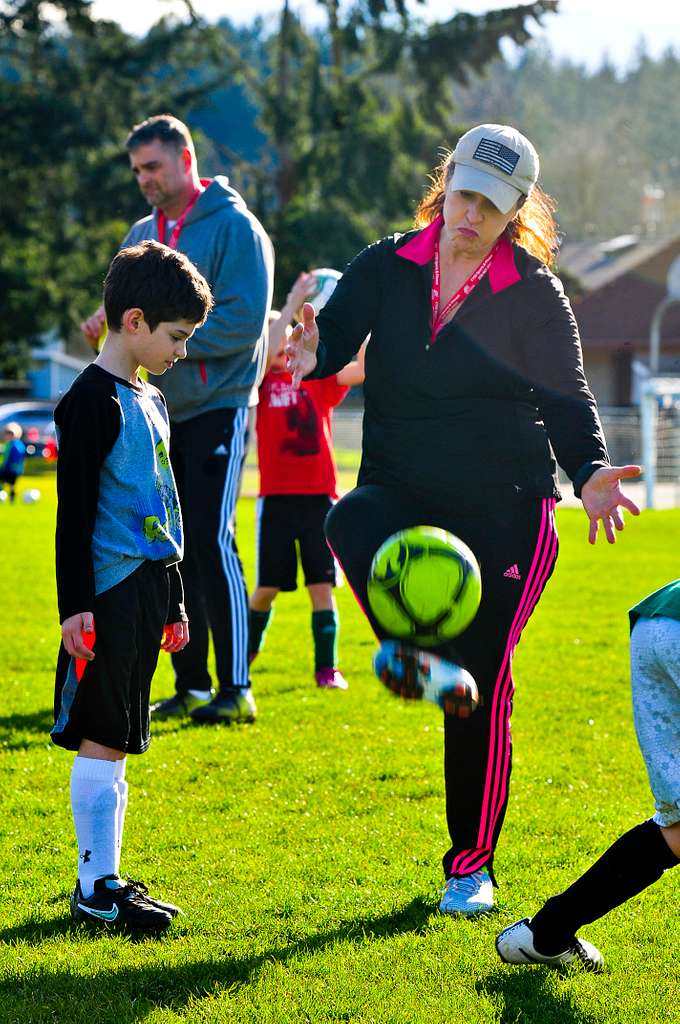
x,y
122,788
94,802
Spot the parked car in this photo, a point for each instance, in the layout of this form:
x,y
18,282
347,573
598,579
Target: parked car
x,y
37,422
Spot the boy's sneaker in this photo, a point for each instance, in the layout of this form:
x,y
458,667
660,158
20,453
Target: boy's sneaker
x,y
515,945
120,904
467,894
179,706
237,705
330,679
169,908
415,674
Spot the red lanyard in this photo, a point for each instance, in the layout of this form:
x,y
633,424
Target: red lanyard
x,y
172,244
439,316
179,224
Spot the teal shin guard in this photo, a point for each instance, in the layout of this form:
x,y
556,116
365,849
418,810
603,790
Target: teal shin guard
x,y
257,627
325,626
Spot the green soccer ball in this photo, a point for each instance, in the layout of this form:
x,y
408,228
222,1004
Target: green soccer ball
x,y
424,585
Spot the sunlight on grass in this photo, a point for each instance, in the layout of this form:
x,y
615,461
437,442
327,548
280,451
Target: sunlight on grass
x,y
306,849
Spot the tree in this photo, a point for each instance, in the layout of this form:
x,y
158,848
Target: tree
x,y
603,136
355,116
352,116
69,93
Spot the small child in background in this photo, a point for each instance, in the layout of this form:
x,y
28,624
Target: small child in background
x,y
14,457
298,486
640,856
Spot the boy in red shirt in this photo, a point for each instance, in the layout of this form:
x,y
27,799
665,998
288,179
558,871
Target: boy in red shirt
x,y
298,486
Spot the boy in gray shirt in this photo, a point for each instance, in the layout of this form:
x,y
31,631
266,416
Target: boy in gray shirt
x,y
118,544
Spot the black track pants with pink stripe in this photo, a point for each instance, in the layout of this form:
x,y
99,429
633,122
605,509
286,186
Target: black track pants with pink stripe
x,y
516,545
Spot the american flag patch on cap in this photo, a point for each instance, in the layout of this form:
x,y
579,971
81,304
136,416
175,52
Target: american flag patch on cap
x,y
495,153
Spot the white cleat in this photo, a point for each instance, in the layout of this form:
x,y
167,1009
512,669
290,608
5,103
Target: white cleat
x,y
515,945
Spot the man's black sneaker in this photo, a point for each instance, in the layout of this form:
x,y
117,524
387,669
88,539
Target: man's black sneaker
x,y
169,908
180,705
229,706
118,904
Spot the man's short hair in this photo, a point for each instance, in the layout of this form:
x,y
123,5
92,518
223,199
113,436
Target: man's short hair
x,y
161,128
160,281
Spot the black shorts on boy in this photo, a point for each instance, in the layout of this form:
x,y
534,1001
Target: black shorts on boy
x,y
283,520
110,704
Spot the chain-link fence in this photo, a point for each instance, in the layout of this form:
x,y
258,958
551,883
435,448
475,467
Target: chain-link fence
x,y
624,439
621,428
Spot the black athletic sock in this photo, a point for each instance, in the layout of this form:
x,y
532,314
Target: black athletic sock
x,y
325,633
257,627
635,861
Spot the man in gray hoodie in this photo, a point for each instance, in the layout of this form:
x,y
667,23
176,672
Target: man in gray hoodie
x,y
208,400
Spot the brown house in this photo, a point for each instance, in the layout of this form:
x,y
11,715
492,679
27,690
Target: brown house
x,y
616,287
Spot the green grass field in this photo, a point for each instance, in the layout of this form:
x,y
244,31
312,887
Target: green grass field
x,y
306,849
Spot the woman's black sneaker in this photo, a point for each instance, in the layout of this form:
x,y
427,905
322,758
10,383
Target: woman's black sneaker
x,y
118,904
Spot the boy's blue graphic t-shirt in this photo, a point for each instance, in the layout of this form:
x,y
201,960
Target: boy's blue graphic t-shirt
x,y
117,498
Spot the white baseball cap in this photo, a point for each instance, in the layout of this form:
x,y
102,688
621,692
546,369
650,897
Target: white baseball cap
x,y
497,161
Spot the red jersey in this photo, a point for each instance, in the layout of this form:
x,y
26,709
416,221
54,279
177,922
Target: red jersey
x,y
294,439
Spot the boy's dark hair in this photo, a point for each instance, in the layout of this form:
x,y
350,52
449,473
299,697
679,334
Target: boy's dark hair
x,y
162,128
160,281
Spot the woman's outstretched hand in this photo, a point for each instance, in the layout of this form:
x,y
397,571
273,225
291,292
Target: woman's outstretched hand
x,y
604,500
302,345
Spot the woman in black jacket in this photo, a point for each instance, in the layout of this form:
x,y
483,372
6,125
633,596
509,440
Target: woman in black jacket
x,y
474,378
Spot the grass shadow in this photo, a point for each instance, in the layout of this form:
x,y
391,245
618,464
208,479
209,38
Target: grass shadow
x,y
528,994
34,931
413,917
37,722
128,995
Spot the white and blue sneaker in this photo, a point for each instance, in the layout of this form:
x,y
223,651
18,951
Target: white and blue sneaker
x,y
515,945
467,894
415,674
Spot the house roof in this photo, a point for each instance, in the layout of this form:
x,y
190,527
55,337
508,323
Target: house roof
x,y
624,280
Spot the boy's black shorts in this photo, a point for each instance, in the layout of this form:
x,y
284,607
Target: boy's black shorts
x,y
283,519
110,704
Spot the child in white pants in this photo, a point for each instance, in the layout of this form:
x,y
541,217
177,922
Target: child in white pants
x,y
639,857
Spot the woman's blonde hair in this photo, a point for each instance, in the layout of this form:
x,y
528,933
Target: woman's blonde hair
x,y
533,226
